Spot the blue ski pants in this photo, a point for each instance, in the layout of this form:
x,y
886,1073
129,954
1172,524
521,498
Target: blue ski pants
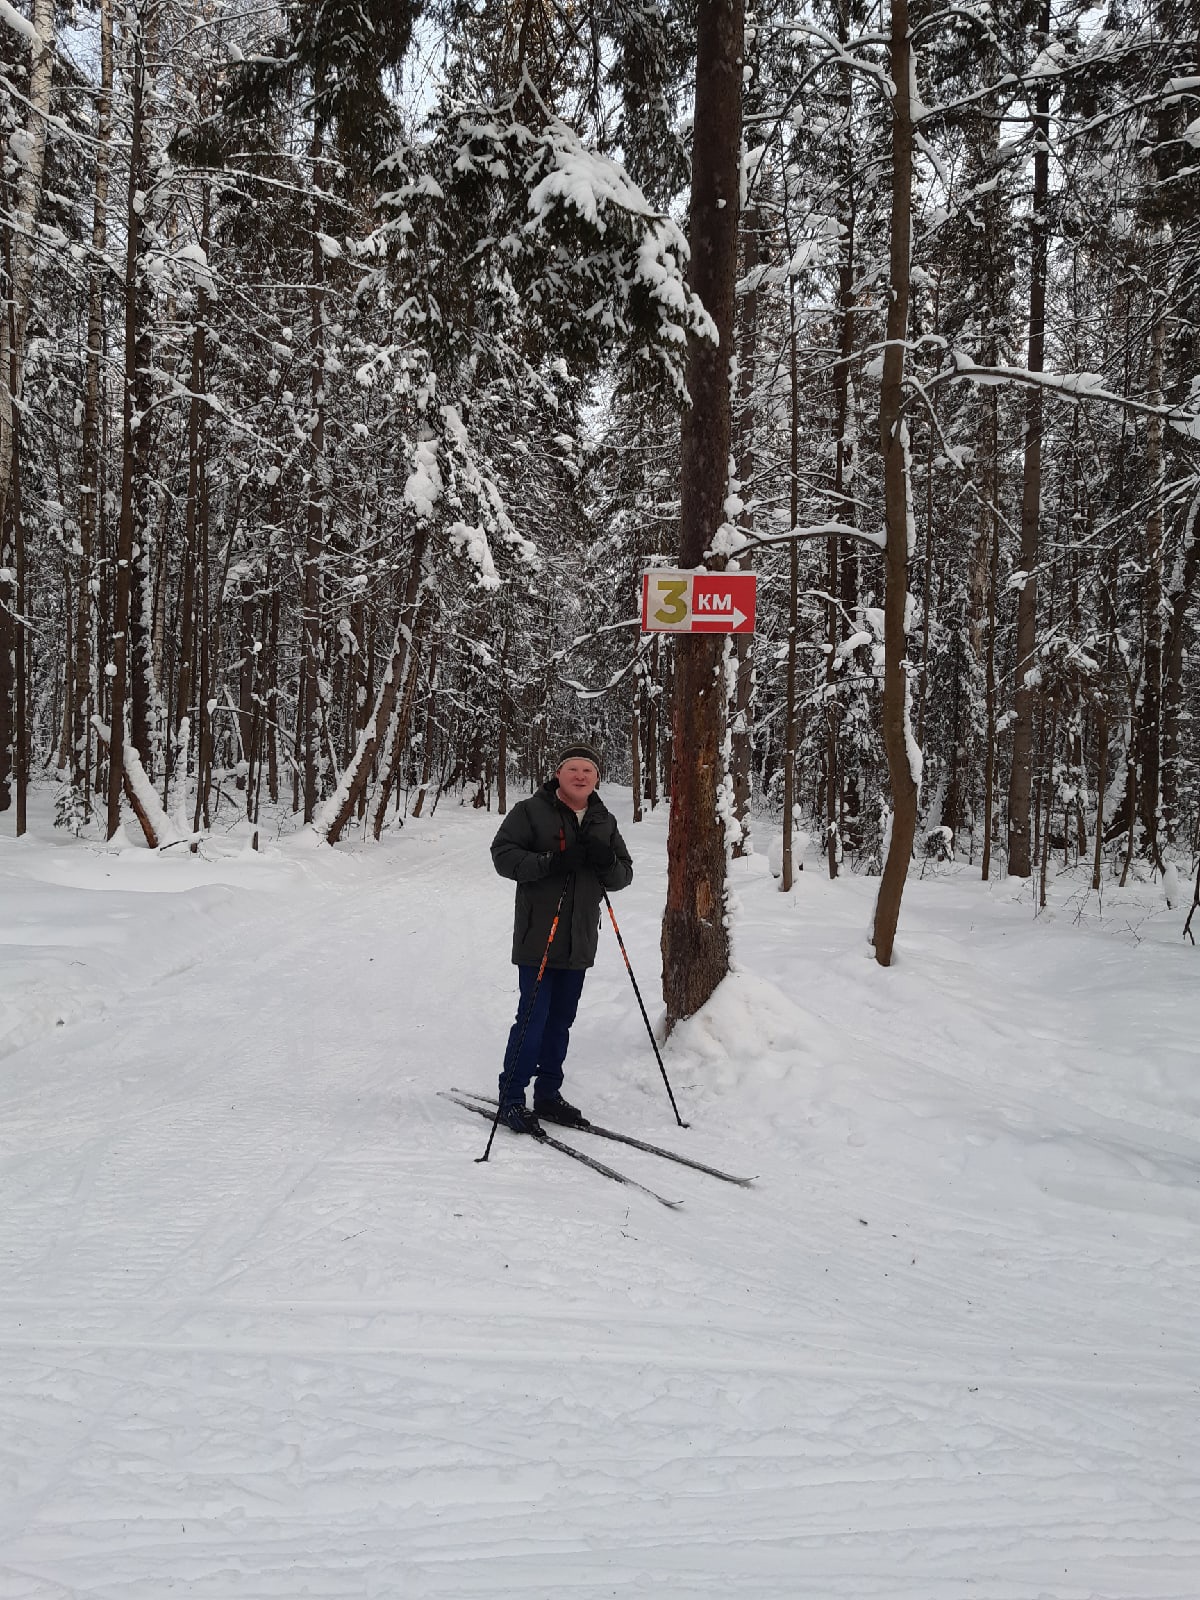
x,y
547,1034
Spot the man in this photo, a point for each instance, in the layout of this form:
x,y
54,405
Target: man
x,y
562,849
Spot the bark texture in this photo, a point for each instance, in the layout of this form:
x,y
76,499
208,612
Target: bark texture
x,y
896,733
695,939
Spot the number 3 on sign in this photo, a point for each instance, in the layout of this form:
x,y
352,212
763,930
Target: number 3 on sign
x,y
671,595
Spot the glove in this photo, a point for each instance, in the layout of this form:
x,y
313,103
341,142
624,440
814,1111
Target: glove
x,y
560,862
598,854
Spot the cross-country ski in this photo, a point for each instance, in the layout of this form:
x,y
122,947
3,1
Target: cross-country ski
x,y
588,1126
568,1150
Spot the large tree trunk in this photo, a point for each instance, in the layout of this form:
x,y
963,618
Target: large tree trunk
x,y
898,740
695,940
1020,787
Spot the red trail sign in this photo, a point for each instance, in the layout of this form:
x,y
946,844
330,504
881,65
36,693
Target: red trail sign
x,y
697,602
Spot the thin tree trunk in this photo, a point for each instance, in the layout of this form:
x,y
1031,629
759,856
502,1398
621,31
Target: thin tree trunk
x,y
1021,776
1182,587
786,874
247,675
89,473
927,603
206,657
1150,723
902,758
272,698
145,725
1048,782
64,721
315,515
427,738
635,753
23,635
120,673
1101,770
840,568
740,741
653,704
197,464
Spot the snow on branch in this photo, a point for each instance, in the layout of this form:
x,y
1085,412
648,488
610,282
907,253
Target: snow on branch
x,y
1071,386
730,541
20,25
548,235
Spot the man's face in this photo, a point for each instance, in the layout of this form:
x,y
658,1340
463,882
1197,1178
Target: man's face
x,y
576,780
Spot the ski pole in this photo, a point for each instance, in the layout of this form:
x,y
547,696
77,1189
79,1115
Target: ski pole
x,y
645,1018
537,983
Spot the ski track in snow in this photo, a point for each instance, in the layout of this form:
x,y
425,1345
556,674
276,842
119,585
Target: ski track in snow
x,y
267,1330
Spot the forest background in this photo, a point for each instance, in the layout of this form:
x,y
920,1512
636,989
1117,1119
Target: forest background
x,y
343,356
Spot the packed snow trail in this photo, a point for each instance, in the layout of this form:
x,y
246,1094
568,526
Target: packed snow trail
x,y
267,1330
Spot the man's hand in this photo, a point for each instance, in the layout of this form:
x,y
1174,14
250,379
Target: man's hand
x,y
598,855
560,862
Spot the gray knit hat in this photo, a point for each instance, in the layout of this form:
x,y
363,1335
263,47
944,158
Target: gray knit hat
x,y
578,751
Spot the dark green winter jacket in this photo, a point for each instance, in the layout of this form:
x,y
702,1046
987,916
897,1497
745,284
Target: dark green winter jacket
x,y
522,850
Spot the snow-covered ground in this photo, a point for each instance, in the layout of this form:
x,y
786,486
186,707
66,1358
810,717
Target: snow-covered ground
x,y
267,1329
